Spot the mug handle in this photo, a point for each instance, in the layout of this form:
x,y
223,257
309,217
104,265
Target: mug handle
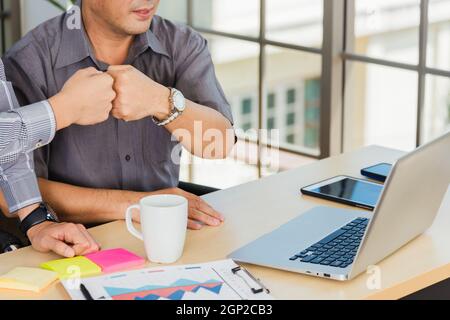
x,y
129,221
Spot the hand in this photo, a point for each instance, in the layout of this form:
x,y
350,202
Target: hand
x,y
200,213
66,239
138,96
85,99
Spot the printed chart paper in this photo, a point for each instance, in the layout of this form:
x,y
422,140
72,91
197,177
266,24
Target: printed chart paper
x,y
210,281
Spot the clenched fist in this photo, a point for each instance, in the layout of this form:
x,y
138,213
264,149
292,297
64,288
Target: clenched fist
x,y
138,96
85,99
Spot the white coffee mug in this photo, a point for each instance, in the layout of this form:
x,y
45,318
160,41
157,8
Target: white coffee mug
x,y
163,222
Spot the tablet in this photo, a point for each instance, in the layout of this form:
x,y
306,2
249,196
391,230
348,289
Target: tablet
x,y
355,192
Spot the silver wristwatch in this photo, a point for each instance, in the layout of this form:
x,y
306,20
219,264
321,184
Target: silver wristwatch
x,y
178,105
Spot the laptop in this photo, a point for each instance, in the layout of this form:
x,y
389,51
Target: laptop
x,y
340,244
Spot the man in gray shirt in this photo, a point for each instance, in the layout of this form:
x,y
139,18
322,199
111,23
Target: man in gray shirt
x,y
92,174
85,99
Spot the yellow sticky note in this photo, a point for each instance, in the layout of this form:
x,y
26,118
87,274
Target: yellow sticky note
x,y
28,279
72,267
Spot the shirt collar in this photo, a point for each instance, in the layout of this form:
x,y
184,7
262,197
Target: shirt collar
x,y
75,45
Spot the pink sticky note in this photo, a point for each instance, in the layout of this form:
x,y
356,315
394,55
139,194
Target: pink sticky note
x,y
115,260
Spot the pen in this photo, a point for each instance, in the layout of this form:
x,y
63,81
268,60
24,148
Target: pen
x,y
85,292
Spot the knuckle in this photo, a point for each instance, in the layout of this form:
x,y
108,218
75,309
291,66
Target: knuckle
x,y
71,227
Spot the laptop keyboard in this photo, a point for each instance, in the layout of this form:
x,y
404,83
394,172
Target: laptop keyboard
x,y
337,249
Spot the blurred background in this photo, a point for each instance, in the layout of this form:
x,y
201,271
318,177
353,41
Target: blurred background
x,y
330,75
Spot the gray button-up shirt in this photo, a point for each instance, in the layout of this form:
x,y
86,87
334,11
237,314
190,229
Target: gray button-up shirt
x,y
22,130
114,154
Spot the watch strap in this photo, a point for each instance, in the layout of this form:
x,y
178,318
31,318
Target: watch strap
x,y
175,113
39,215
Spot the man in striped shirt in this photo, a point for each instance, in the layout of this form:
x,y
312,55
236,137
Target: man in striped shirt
x,y
85,99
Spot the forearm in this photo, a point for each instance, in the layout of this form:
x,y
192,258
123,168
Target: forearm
x,y
203,131
86,205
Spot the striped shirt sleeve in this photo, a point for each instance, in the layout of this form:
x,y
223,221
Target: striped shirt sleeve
x,y
22,130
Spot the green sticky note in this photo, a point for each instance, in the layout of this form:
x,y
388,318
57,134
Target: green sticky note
x,y
72,267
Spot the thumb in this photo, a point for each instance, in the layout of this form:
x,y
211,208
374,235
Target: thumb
x,y
114,70
91,71
60,248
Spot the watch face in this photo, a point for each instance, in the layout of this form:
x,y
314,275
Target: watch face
x,y
179,101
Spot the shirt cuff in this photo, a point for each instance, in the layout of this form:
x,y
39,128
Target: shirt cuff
x,y
21,192
40,123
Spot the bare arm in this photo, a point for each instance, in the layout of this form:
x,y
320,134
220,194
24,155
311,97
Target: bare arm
x,y
86,205
203,131
212,134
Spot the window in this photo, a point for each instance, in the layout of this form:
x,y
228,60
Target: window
x,y
330,75
291,96
397,71
247,126
271,123
290,139
312,113
271,101
290,119
246,106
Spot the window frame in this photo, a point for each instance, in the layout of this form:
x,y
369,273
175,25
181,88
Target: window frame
x,y
9,21
421,69
338,37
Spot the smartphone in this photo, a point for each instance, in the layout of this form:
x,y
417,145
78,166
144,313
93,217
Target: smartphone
x,y
351,191
378,172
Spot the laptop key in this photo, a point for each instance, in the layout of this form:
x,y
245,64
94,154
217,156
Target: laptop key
x,y
309,258
332,236
336,263
294,258
317,260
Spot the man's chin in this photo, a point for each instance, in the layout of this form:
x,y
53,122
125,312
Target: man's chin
x,y
137,28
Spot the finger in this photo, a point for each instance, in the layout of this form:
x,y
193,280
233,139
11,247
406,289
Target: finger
x,y
114,71
117,68
206,208
93,246
204,218
91,71
194,225
59,247
106,78
73,235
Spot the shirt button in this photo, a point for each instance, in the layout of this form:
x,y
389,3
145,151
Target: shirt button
x,y
128,158
39,144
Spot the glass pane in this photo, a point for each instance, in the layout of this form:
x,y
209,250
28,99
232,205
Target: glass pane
x,y
293,98
236,64
297,22
388,29
378,110
436,117
175,10
232,16
274,161
239,168
439,34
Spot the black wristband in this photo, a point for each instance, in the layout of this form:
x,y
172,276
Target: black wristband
x,y
39,215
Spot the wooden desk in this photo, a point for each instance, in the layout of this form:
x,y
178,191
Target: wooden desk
x,y
259,207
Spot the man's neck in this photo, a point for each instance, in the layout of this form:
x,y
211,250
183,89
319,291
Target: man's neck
x,y
108,46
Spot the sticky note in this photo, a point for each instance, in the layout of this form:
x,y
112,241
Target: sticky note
x,y
115,260
27,279
72,267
